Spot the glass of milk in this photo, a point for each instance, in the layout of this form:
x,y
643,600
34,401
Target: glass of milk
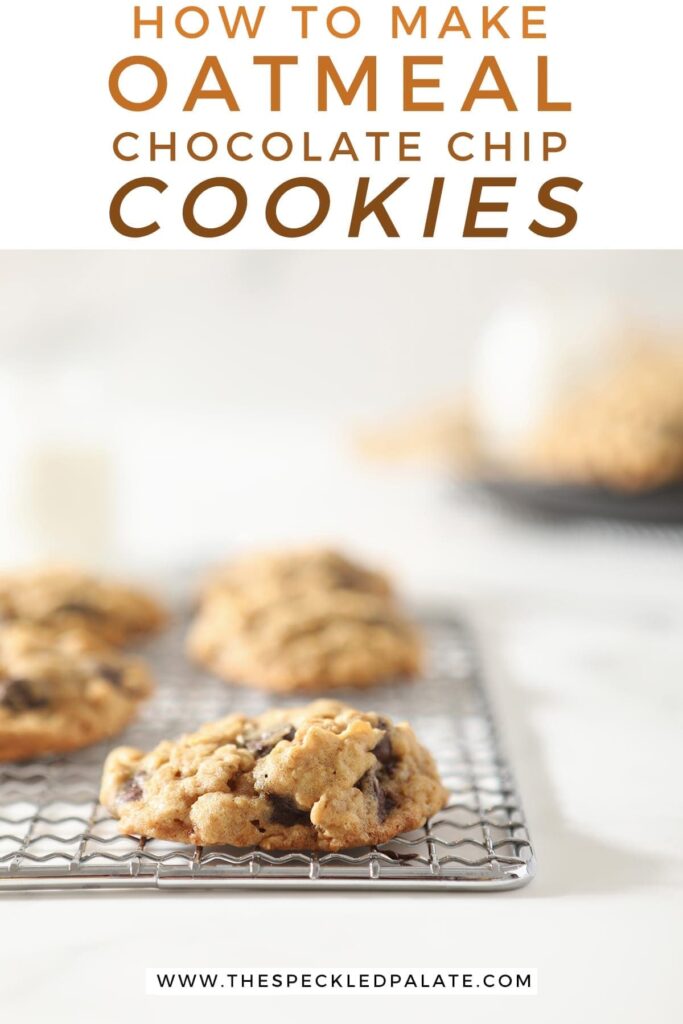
x,y
55,463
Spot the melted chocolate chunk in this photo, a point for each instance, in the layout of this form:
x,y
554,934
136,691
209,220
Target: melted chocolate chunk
x,y
19,695
263,743
285,812
79,608
384,752
346,578
370,786
400,858
111,673
132,789
385,804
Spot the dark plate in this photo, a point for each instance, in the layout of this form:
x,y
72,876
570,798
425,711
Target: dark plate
x,y
663,506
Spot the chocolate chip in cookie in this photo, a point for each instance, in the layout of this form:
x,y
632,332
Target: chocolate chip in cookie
x,y
132,789
286,812
384,752
21,695
88,611
112,673
262,744
371,787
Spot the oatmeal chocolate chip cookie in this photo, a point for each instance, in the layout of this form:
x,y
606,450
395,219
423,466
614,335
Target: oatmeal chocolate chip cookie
x,y
65,597
321,777
625,432
295,572
306,642
62,689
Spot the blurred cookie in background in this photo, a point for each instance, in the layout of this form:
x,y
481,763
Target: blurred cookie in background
x,y
297,571
623,431
303,621
315,642
444,435
61,690
573,409
64,597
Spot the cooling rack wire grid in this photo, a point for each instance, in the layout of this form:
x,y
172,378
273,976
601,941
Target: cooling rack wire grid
x,y
54,835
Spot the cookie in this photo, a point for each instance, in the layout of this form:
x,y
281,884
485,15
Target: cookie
x,y
624,433
62,689
321,777
306,642
295,572
65,597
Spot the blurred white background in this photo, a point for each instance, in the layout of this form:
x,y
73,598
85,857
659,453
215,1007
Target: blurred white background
x,y
160,408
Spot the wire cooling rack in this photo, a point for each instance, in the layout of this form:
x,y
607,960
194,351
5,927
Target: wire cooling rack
x,y
54,835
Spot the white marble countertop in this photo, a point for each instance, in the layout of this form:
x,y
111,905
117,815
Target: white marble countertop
x,y
584,639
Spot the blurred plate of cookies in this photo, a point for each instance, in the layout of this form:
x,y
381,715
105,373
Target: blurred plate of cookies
x,y
567,429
